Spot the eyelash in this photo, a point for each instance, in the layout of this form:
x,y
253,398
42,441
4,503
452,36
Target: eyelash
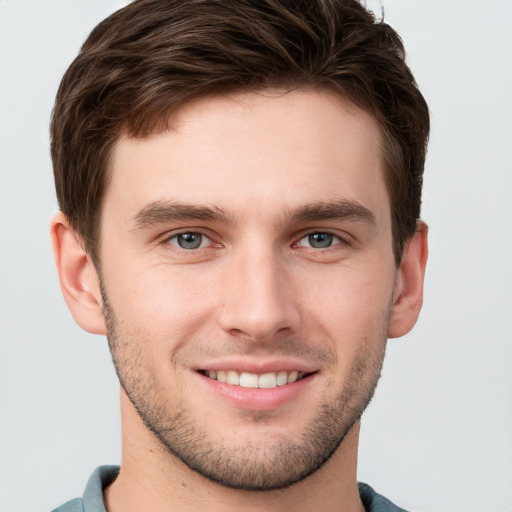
x,y
168,240
337,241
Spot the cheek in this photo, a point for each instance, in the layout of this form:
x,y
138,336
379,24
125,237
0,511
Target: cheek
x,y
163,302
350,302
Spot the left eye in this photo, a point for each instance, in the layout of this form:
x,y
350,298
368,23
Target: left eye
x,y
319,240
189,240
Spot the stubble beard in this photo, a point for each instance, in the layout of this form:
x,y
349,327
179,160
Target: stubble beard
x,y
251,466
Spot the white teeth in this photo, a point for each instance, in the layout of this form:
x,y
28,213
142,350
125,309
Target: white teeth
x,y
248,380
252,380
232,377
292,377
267,381
282,378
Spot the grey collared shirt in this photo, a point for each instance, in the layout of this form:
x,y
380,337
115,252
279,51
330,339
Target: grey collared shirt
x,y
103,476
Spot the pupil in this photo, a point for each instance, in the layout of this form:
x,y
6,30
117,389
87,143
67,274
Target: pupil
x,y
320,240
189,240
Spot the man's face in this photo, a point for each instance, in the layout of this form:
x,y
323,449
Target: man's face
x,y
250,242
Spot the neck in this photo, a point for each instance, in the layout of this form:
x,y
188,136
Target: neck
x,y
153,479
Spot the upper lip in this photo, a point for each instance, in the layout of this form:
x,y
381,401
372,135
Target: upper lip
x,y
258,366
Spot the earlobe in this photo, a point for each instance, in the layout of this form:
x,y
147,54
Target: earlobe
x,y
78,277
408,291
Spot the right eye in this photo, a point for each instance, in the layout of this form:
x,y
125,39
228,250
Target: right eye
x,y
189,240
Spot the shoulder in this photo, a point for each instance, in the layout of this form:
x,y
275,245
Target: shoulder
x,y
92,500
374,502
75,505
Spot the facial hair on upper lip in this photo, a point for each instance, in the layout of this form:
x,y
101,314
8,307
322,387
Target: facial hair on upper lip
x,y
294,348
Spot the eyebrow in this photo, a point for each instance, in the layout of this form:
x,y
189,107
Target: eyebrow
x,y
343,209
160,212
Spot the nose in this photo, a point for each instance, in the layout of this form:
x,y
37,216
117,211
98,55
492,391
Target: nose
x,y
258,297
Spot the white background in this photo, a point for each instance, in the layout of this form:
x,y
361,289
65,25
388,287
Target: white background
x,y
438,436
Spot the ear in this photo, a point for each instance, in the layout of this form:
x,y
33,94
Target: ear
x,y
408,291
78,277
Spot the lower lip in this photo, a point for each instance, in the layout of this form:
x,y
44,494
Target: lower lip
x,y
256,399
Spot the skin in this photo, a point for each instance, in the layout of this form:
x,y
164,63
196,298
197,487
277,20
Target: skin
x,y
262,172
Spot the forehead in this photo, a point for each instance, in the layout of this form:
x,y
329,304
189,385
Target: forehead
x,y
273,147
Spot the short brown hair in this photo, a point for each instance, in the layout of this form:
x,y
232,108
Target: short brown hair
x,y
145,60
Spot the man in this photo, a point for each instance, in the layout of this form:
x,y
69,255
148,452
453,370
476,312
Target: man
x,y
240,188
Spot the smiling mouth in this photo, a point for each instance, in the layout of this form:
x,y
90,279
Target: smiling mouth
x,y
254,380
